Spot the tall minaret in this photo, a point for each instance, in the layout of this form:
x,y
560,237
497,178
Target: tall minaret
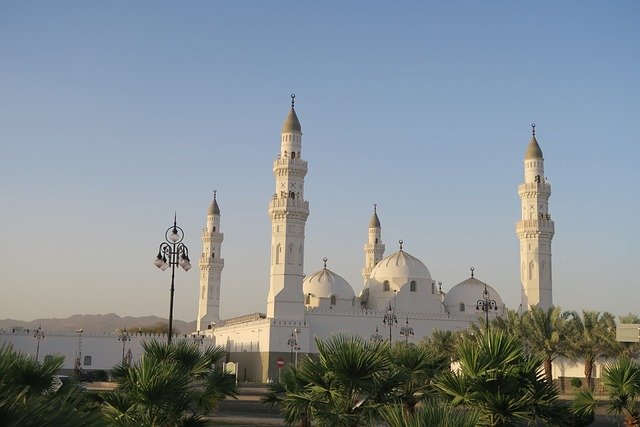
x,y
374,248
535,230
211,265
288,211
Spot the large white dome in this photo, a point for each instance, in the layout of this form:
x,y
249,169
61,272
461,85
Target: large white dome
x,y
325,283
400,264
467,294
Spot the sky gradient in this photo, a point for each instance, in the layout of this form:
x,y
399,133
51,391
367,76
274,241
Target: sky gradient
x,y
115,115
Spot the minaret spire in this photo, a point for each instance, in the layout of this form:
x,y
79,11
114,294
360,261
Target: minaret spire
x,y
211,265
374,248
288,212
535,230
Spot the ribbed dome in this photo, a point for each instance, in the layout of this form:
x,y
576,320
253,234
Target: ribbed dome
x,y
533,150
325,283
469,293
291,123
214,209
400,264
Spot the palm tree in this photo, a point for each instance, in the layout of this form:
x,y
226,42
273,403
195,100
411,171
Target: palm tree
x,y
347,384
173,384
443,343
622,380
26,398
419,365
434,414
545,332
503,383
592,337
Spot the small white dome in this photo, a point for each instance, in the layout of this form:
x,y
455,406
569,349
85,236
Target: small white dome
x,y
469,293
325,283
400,264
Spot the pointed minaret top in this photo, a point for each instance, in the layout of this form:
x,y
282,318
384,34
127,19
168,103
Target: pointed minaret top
x,y
533,149
291,123
214,209
375,221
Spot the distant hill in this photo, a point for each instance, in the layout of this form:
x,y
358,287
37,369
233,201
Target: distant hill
x,y
98,323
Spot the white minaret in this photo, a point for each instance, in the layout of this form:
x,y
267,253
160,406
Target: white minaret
x,y
288,212
374,248
211,265
535,230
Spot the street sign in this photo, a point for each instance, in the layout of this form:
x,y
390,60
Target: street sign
x,y
280,363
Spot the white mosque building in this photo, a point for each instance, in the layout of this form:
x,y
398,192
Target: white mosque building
x,y
396,288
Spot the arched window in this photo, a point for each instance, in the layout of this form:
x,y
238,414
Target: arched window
x,y
293,154
290,258
213,254
214,229
293,195
278,251
531,270
87,361
376,240
333,299
412,286
461,306
300,250
307,299
385,286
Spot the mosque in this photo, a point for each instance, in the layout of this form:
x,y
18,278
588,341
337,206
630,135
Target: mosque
x,y
398,299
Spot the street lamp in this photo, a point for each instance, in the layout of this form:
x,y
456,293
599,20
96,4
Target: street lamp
x,y
390,319
124,336
376,338
485,304
78,366
406,331
38,335
172,252
293,344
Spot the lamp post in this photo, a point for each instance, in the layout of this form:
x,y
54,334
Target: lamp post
x,y
406,331
377,338
124,336
390,319
172,252
78,366
485,304
293,345
38,335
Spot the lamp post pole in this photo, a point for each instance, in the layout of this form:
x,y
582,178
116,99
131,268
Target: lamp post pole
x,y
485,304
38,335
390,319
293,345
376,337
406,331
124,336
173,252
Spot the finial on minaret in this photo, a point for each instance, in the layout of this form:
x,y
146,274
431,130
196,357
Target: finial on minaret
x,y
375,206
214,194
440,286
293,100
325,262
401,242
472,268
533,130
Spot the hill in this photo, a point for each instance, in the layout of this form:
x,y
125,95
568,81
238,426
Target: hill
x,y
98,323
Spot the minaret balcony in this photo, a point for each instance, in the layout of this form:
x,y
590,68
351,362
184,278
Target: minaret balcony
x,y
296,166
534,188
535,226
289,204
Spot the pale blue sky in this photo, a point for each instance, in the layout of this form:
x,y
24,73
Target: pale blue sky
x,y
113,115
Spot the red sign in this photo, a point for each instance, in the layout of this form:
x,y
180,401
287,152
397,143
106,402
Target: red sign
x,y
280,363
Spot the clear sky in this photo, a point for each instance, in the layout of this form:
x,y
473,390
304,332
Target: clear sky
x,y
113,115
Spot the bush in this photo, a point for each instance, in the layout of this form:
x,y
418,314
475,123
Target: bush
x,y
576,382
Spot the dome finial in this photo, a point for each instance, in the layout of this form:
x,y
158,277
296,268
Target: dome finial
x,y
325,262
533,130
401,242
293,100
472,268
439,286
